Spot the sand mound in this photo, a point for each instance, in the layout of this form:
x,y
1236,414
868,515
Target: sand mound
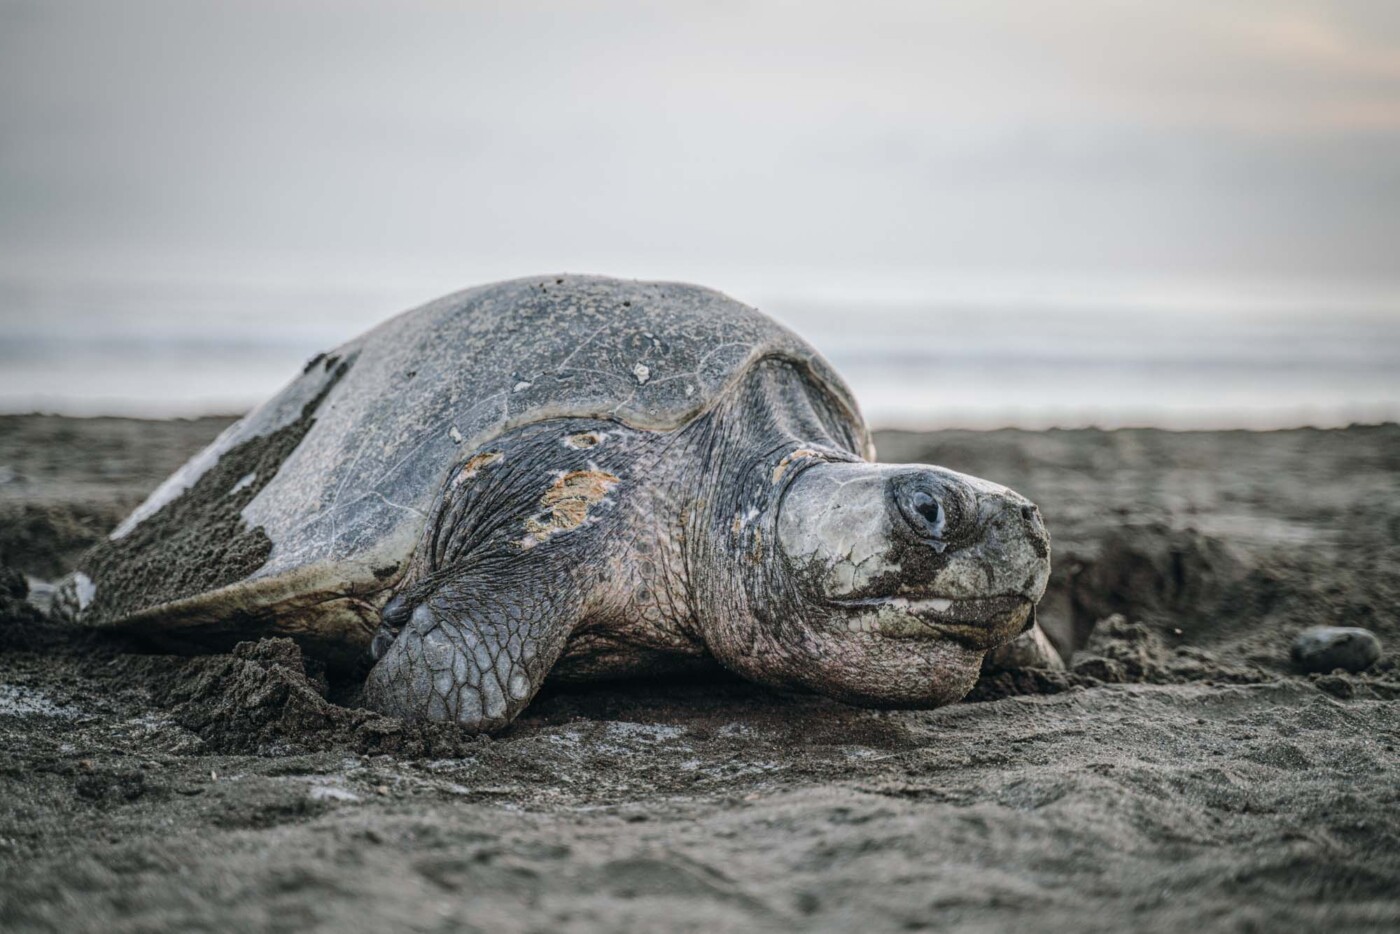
x,y
264,699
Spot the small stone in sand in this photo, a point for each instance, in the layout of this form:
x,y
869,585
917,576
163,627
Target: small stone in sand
x,y
1327,648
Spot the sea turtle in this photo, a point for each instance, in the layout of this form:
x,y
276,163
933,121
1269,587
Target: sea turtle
x,y
576,477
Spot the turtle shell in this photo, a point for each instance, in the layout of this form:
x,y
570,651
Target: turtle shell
x,y
299,517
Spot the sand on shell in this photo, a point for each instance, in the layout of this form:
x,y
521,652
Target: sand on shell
x,y
1178,775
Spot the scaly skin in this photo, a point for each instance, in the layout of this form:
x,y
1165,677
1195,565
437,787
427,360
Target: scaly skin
x,y
756,536
525,549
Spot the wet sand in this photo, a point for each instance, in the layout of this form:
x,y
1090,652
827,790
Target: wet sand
x,y
1180,775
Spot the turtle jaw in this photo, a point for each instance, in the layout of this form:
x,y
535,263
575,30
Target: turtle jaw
x,y
886,652
980,623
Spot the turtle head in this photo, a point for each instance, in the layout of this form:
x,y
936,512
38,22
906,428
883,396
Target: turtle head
x,y
895,580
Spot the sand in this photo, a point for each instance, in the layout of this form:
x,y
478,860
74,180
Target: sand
x,y
1181,774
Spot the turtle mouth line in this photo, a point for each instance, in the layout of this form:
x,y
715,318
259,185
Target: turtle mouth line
x,y
980,621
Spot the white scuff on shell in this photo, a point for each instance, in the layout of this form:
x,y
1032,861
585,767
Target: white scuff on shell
x,y
84,589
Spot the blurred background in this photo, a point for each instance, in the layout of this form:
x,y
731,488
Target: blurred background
x,y
984,213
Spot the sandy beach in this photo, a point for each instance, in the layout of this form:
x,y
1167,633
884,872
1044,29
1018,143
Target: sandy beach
x,y
1180,775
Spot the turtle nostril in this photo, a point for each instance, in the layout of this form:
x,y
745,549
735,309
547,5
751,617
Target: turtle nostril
x,y
1035,531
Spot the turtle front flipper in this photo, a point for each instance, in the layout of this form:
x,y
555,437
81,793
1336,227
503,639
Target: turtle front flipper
x,y
474,650
509,564
1031,649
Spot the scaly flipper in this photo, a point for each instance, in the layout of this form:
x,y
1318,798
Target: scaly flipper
x,y
502,575
477,652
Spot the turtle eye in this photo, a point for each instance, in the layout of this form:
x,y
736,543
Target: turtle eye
x,y
932,512
921,506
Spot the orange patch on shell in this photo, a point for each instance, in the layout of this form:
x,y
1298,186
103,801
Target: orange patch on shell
x,y
475,465
566,503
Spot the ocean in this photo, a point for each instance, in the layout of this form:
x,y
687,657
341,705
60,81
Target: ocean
x,y
184,350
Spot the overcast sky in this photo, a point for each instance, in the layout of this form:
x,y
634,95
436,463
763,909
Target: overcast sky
x,y
745,145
